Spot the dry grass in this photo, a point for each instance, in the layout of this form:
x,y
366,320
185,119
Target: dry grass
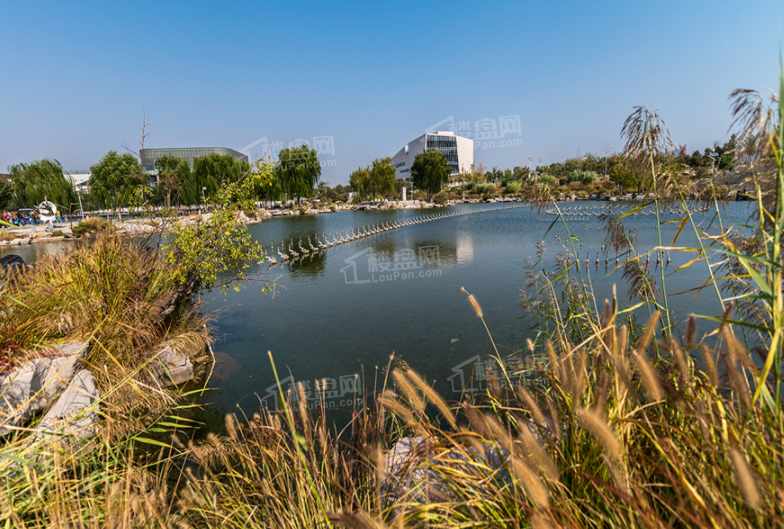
x,y
625,426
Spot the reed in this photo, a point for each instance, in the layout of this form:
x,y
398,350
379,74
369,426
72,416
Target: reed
x,y
624,426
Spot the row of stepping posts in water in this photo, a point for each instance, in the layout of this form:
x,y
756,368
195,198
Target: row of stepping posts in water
x,y
327,241
592,213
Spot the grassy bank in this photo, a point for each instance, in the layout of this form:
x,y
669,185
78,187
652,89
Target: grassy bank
x,y
618,423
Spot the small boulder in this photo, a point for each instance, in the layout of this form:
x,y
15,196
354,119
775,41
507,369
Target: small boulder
x,y
74,413
171,368
415,466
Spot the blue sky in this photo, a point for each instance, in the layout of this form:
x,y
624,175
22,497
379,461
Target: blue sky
x,y
77,78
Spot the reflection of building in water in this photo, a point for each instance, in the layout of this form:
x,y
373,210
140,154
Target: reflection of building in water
x,y
465,250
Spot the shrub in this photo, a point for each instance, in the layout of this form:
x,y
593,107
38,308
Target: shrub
x,y
488,191
91,225
513,188
547,179
441,197
589,177
584,177
57,233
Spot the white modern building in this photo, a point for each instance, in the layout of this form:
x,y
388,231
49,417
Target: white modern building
x,y
459,152
80,180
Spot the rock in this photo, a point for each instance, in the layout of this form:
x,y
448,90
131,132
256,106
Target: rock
x,y
243,217
135,227
171,368
225,365
414,466
31,387
61,365
75,412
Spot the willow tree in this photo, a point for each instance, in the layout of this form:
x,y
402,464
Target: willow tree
x,y
42,179
209,173
382,177
173,172
298,171
6,193
430,171
359,181
115,177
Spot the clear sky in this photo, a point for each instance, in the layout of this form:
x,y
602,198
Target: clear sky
x,y
77,77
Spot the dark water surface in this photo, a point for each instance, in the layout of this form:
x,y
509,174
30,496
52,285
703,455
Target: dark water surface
x,y
339,314
343,312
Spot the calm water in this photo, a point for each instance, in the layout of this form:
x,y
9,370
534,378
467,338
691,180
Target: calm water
x,y
343,312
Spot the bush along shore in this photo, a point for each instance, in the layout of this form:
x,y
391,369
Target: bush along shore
x,y
617,423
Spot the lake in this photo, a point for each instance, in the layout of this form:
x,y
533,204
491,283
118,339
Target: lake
x,y
339,314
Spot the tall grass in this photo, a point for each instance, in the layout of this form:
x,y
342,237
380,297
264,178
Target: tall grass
x,y
621,425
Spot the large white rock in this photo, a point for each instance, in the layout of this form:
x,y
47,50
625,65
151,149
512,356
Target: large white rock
x,y
75,412
31,387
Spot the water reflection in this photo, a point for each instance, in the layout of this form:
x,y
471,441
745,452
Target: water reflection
x,y
32,252
465,250
308,267
331,319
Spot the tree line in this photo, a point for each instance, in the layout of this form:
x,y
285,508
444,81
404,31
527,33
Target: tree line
x,y
429,172
117,178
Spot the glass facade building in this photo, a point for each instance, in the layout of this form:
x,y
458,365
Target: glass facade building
x,y
446,145
149,156
459,152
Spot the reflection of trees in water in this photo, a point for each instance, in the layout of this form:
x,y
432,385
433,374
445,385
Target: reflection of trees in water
x,y
386,246
308,267
436,252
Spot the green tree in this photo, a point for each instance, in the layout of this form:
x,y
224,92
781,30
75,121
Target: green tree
x,y
382,177
359,181
6,193
209,173
298,170
624,172
520,173
430,171
114,178
173,173
217,250
42,179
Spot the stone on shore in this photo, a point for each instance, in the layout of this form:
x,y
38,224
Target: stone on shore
x,y
414,466
74,413
170,368
31,387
